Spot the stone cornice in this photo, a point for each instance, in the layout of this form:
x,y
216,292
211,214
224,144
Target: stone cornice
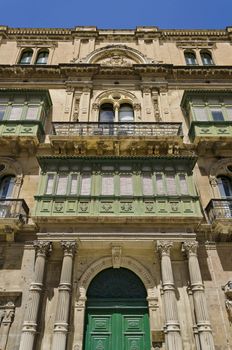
x,y
142,32
69,72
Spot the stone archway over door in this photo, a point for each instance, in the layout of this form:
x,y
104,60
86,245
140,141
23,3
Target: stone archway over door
x,y
116,312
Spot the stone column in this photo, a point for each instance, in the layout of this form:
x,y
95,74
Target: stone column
x,y
64,297
31,315
6,319
199,300
173,335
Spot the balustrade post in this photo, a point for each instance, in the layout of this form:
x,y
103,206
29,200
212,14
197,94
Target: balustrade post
x,y
173,336
64,296
200,307
30,321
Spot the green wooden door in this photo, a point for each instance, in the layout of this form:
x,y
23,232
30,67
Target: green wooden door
x,y
116,312
117,329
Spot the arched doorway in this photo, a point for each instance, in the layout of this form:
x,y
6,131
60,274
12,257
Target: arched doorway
x,y
116,312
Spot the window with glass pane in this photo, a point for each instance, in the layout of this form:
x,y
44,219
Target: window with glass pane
x,y
50,183
171,184
126,113
15,113
32,113
206,58
6,186
62,185
106,113
42,57
200,113
107,184
26,57
190,58
147,184
183,184
85,184
159,184
225,186
2,112
217,114
74,184
126,186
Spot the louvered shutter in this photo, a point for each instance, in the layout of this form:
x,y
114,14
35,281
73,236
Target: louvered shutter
x,y
126,187
107,184
86,184
62,185
50,182
159,184
171,184
183,184
73,185
147,184
200,114
15,113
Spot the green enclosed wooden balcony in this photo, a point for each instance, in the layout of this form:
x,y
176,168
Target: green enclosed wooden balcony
x,y
210,131
219,212
13,214
120,209
114,138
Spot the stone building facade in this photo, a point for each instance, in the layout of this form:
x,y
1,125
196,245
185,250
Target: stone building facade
x,y
115,189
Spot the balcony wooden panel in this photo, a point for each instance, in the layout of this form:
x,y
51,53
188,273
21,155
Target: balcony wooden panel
x,y
20,135
114,138
219,212
178,209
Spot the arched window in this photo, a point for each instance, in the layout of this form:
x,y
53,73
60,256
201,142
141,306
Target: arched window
x,y
106,114
126,113
206,58
42,57
190,58
225,186
6,186
26,57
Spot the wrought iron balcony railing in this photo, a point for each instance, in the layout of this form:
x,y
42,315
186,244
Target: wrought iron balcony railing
x,y
116,129
219,209
14,209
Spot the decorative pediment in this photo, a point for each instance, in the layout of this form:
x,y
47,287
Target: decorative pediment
x,y
115,55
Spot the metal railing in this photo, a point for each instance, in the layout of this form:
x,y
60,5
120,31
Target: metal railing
x,y
14,209
219,209
116,129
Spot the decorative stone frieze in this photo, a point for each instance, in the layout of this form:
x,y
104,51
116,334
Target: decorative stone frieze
x,y
199,300
172,326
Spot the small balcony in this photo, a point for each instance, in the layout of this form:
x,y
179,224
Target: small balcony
x,y
214,136
219,212
13,214
149,210
115,138
19,135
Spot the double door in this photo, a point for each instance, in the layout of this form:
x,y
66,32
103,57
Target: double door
x,y
117,329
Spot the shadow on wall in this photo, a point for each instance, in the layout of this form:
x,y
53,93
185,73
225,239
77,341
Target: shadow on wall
x,y
202,257
225,256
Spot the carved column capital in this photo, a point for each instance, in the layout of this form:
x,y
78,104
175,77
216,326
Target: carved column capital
x,y
96,106
69,247
213,181
42,247
164,247
190,247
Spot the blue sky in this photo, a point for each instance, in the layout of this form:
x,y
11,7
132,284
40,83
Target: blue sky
x,y
117,13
